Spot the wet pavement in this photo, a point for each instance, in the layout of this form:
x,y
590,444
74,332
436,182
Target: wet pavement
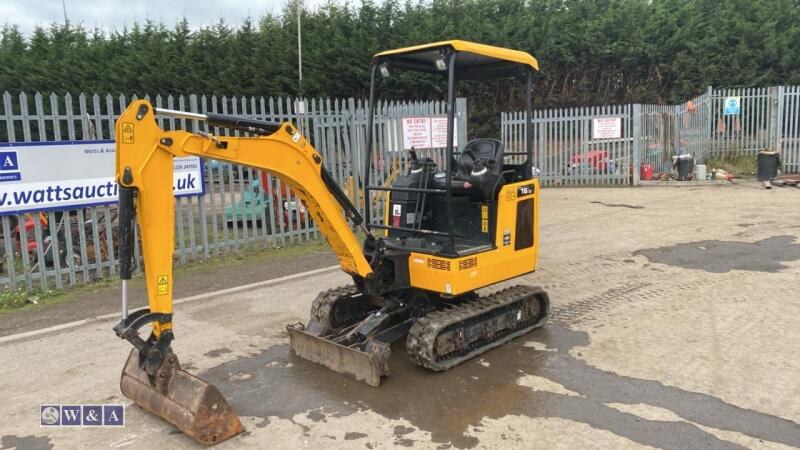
x,y
670,328
766,255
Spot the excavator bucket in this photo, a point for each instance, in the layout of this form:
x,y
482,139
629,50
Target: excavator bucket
x,y
197,408
366,367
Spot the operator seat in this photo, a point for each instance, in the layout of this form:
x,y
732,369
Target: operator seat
x,y
477,169
489,150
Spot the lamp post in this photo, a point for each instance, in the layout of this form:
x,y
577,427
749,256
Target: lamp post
x,y
299,104
299,47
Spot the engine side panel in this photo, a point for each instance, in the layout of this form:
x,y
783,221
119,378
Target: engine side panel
x,y
508,259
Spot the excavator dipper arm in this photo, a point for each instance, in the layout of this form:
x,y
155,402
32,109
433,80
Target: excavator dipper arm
x,y
144,169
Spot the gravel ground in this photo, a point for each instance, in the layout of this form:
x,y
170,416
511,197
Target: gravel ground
x,y
676,322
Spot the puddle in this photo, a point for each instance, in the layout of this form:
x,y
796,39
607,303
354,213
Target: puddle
x,y
216,353
766,255
352,435
26,442
449,404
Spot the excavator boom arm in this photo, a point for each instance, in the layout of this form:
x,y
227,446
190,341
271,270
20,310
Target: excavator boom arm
x,y
145,162
152,376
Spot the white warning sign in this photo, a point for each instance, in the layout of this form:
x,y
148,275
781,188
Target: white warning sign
x,y
426,132
439,132
607,128
416,133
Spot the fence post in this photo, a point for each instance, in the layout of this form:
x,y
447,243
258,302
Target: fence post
x,y
637,143
356,148
775,113
678,129
461,117
9,109
201,204
709,140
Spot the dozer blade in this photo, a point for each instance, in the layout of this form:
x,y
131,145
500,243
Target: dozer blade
x,y
194,406
367,367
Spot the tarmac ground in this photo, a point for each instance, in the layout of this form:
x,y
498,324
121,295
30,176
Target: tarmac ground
x,y
675,323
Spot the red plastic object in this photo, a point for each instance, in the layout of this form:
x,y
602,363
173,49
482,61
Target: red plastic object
x,y
646,172
596,159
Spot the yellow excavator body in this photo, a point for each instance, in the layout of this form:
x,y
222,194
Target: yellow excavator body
x,y
509,257
447,232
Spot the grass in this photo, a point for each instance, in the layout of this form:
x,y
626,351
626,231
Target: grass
x,y
16,300
12,300
742,166
253,252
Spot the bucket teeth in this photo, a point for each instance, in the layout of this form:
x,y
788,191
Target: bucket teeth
x,y
196,407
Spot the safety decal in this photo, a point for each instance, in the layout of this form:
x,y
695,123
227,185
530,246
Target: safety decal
x,y
163,285
127,133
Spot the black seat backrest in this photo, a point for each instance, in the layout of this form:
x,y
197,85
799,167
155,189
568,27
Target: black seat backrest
x,y
477,149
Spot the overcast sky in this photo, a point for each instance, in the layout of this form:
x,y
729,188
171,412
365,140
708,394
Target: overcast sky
x,y
115,14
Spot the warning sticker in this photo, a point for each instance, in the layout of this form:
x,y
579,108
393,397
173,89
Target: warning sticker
x,y
127,132
163,285
397,211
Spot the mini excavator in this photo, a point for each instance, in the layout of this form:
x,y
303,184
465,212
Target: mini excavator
x,y
448,229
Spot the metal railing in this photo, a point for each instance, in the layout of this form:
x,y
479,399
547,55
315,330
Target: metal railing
x,y
567,153
788,140
51,250
242,208
565,149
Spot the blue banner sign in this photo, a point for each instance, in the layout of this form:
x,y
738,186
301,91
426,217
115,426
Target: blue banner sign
x,y
41,176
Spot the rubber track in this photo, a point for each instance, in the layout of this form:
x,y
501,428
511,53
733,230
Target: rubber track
x,y
324,302
421,340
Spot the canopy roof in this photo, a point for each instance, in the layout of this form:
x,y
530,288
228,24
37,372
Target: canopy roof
x,y
474,61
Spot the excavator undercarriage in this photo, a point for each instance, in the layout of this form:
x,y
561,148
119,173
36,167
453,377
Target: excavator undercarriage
x,y
352,334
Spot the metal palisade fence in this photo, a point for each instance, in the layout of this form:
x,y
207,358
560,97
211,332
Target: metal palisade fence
x,y
664,131
568,150
789,135
242,208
